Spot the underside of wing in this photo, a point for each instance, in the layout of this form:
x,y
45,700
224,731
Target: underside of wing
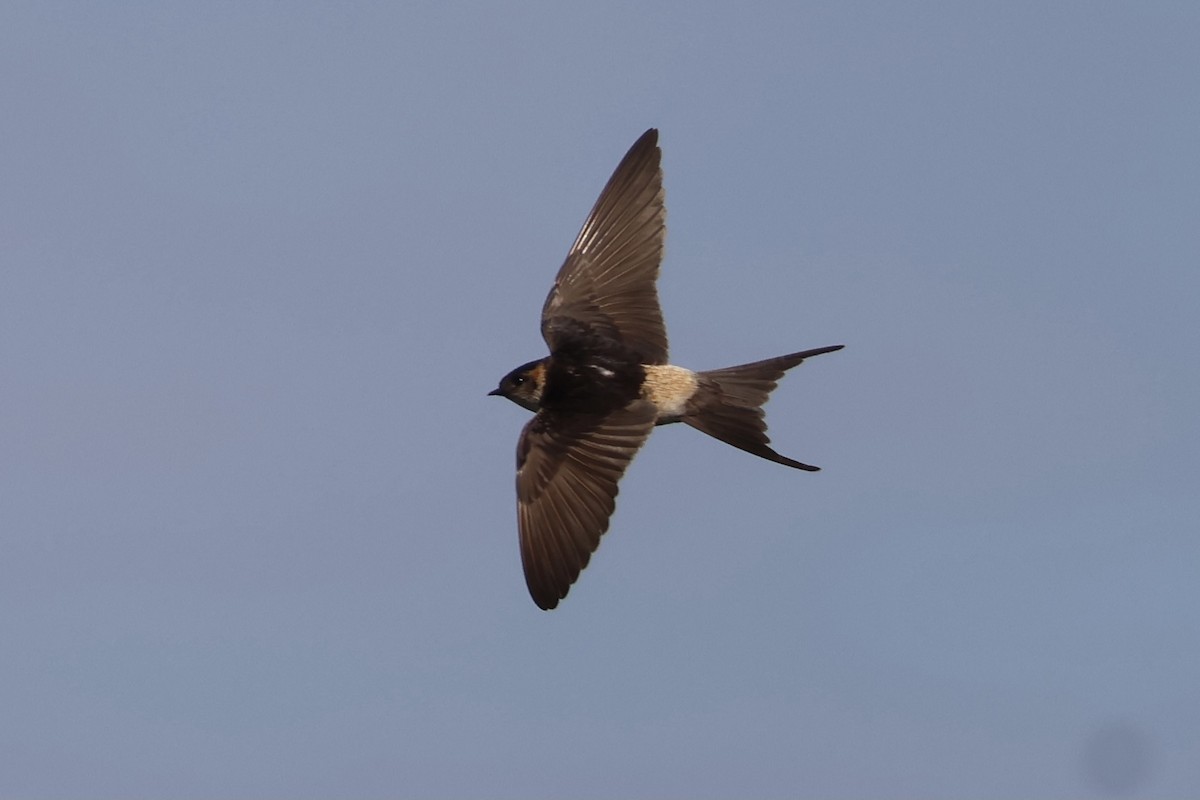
x,y
607,283
567,474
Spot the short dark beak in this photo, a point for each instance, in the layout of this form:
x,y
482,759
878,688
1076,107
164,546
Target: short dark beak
x,y
495,392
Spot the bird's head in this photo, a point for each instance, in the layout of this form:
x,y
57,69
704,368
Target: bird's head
x,y
524,385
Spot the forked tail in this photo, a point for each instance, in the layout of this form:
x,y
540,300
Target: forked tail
x,y
728,403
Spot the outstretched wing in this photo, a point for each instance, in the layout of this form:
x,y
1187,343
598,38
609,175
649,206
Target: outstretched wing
x,y
567,473
607,283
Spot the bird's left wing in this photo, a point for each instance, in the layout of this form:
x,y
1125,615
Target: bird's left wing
x,y
568,467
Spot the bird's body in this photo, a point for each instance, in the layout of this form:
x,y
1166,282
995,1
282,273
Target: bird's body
x,y
607,382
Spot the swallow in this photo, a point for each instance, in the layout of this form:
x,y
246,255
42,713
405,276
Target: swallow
x,y
607,383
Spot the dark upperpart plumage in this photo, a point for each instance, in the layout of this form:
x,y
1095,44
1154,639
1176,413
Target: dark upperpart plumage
x,y
607,383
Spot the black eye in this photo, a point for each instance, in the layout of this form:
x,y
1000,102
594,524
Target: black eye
x,y
518,380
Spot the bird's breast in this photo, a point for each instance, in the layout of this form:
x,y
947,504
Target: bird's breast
x,y
669,388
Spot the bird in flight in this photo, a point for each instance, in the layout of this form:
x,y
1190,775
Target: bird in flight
x,y
607,382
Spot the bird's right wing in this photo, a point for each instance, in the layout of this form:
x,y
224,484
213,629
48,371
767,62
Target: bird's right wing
x,y
606,286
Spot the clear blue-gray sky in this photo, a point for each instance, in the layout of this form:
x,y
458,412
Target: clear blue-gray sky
x,y
259,264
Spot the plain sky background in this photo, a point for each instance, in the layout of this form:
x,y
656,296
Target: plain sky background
x,y
260,263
